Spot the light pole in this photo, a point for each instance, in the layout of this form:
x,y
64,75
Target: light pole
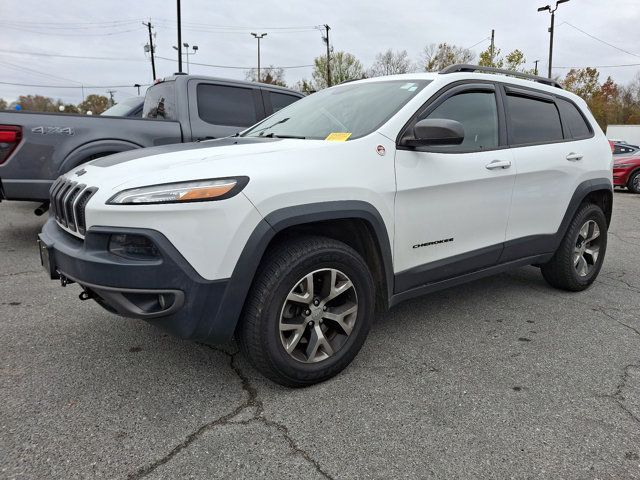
x,y
552,11
187,52
258,37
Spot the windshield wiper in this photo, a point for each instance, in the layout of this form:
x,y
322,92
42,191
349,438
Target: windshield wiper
x,y
273,135
260,132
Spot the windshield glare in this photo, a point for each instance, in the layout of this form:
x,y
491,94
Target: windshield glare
x,y
123,108
354,110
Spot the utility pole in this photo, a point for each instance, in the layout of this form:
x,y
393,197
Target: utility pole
x,y
151,49
258,37
111,100
552,11
326,39
179,39
493,45
535,71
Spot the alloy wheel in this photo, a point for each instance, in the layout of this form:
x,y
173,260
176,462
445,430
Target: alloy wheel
x,y
587,249
318,315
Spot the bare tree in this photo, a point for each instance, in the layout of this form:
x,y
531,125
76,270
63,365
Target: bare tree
x,y
437,57
270,74
344,66
391,63
3,104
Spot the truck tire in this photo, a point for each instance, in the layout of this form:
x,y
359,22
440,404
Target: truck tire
x,y
308,312
577,262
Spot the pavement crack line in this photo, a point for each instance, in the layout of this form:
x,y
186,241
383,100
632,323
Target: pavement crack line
x,y
26,272
252,401
618,396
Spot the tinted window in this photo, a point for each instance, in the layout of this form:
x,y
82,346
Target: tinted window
x,y
281,100
533,121
478,114
222,105
160,102
573,119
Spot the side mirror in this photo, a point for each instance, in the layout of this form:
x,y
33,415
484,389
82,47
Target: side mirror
x,y
437,131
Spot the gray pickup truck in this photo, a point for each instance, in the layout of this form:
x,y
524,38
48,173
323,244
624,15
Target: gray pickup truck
x,y
36,148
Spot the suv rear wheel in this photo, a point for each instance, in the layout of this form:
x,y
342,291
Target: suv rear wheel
x,y
309,311
578,260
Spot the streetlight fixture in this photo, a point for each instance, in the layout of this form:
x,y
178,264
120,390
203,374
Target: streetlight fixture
x,y
258,37
187,52
552,11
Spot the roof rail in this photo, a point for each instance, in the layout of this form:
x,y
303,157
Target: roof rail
x,y
477,68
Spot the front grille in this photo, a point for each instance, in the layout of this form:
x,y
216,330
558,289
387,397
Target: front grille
x,y
68,202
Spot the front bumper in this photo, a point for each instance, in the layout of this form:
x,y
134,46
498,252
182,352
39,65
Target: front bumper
x,y
29,190
166,291
621,176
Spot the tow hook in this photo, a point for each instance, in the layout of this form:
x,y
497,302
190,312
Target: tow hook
x,y
42,209
85,295
64,281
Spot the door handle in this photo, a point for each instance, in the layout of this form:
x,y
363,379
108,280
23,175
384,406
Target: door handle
x,y
574,157
498,164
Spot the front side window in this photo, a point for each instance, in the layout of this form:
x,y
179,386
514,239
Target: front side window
x,y
351,110
533,121
222,105
478,114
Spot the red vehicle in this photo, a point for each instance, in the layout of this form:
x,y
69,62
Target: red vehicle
x,y
626,172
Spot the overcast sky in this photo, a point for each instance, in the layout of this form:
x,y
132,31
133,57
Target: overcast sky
x,y
221,29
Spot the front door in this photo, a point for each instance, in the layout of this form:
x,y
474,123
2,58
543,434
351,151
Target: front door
x,y
452,203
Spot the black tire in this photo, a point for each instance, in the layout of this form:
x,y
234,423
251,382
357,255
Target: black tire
x,y
259,333
634,182
561,271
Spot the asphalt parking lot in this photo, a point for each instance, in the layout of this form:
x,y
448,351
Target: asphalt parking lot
x,y
504,377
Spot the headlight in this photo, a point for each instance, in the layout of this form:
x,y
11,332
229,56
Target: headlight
x,y
179,192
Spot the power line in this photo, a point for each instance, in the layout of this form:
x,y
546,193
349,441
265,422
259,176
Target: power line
x,y
232,66
30,70
44,32
71,86
603,66
83,57
600,40
478,43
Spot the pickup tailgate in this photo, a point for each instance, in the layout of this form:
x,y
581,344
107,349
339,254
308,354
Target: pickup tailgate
x,y
52,144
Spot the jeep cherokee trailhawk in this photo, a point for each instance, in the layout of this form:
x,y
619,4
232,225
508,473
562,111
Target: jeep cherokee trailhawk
x,y
291,234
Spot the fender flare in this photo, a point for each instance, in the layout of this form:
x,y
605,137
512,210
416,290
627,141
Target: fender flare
x,y
224,323
80,154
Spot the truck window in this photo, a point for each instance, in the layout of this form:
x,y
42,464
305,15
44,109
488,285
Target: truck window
x,y
160,102
222,105
281,100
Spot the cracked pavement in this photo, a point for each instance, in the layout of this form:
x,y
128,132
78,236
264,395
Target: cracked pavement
x,y
503,377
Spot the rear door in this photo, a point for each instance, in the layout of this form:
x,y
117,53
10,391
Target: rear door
x,y
452,203
218,110
551,161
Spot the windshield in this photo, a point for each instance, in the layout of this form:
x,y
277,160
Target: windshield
x,y
345,112
124,107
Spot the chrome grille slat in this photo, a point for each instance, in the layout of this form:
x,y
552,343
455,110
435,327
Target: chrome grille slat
x,y
68,200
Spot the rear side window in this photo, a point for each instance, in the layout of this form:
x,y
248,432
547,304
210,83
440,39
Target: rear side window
x,y
160,102
533,121
281,100
478,114
573,119
222,105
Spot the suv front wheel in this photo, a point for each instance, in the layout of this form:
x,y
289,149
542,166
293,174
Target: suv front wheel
x,y
309,311
577,262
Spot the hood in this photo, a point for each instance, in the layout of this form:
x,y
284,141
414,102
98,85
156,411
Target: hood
x,y
233,156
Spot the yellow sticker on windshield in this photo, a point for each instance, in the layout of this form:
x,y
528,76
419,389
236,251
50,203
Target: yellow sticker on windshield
x,y
338,136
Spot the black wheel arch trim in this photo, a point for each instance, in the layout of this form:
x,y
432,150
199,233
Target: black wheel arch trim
x,y
224,323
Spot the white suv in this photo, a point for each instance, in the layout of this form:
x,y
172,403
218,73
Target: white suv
x,y
291,234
